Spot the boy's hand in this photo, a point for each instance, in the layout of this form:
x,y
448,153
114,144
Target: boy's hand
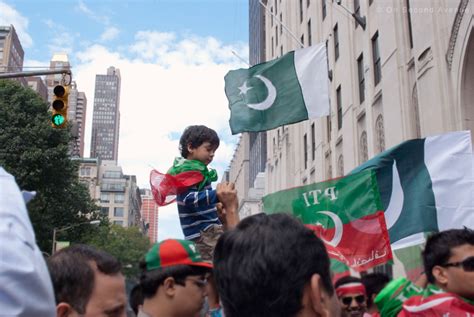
x,y
228,207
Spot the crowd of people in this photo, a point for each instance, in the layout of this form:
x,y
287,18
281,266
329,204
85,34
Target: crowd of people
x,y
263,265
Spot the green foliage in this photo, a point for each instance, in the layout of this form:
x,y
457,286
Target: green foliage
x,y
37,155
128,245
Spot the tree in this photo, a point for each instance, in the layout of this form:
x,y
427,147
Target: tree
x,y
128,245
37,156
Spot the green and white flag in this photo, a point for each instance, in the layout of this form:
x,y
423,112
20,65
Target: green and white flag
x,y
426,185
286,90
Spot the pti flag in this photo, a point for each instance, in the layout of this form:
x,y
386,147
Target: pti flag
x,y
286,90
345,213
426,185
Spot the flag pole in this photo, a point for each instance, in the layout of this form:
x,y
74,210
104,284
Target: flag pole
x,y
243,60
281,23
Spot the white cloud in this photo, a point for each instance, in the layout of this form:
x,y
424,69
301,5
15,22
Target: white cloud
x,y
8,15
103,19
110,33
178,82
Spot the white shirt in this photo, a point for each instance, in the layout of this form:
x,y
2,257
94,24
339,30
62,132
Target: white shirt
x,y
25,285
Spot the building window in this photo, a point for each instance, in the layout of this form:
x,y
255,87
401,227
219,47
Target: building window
x,y
309,33
119,198
328,128
302,40
118,222
339,107
271,18
273,46
363,148
104,197
85,171
104,211
118,212
370,2
305,147
281,50
301,11
276,36
308,2
376,57
410,31
276,7
380,134
336,42
323,2
340,166
360,71
313,142
356,11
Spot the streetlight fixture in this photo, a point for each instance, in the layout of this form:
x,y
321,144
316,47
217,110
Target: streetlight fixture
x,y
56,230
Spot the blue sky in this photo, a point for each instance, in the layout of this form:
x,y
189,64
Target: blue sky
x,y
172,56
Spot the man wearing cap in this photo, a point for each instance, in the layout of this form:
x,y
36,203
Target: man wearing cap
x,y
352,296
173,280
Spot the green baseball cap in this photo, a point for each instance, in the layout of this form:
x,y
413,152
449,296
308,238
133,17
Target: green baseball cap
x,y
173,252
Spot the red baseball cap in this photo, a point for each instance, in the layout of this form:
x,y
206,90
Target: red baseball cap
x,y
173,252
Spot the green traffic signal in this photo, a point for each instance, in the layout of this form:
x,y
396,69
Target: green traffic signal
x,y
58,119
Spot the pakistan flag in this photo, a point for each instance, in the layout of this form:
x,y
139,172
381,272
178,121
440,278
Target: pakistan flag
x,y
286,90
426,185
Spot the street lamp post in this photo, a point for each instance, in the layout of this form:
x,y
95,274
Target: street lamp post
x,y
56,230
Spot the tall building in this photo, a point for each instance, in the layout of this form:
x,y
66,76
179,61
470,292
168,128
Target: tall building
x,y
80,118
149,213
38,85
106,116
11,52
407,73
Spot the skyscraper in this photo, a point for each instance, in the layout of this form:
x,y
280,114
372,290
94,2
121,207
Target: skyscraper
x,y
106,117
149,213
11,52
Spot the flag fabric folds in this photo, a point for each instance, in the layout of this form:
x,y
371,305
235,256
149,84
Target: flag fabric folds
x,y
345,213
426,185
286,90
165,187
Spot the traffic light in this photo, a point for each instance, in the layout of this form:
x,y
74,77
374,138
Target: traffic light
x,y
60,107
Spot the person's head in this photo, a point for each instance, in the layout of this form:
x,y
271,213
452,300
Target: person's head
x,y
352,296
374,283
199,142
272,265
136,298
448,259
174,278
87,282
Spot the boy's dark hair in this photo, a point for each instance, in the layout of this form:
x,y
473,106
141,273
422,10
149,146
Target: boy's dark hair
x,y
346,280
150,281
195,135
263,266
136,298
72,273
438,248
374,283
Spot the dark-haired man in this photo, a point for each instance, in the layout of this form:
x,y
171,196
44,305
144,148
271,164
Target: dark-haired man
x,y
272,265
374,283
87,282
448,260
174,279
352,296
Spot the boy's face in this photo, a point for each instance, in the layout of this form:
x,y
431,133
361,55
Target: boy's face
x,y
204,153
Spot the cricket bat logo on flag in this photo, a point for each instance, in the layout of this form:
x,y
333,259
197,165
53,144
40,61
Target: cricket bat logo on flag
x,y
285,90
345,213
